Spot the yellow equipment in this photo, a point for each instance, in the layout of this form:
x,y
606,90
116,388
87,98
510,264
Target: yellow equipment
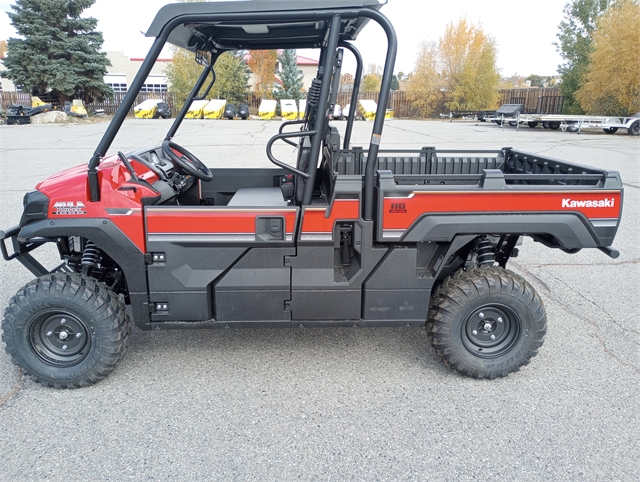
x,y
36,102
196,111
289,109
147,109
302,108
267,109
78,109
214,109
368,108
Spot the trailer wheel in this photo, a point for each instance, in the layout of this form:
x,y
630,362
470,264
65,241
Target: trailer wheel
x,y
486,322
610,130
65,330
554,126
545,125
533,125
513,123
634,129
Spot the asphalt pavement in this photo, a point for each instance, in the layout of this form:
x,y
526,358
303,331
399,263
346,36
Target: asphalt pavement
x,y
340,404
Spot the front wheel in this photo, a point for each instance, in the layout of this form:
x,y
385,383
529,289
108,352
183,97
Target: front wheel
x,y
486,322
634,129
65,330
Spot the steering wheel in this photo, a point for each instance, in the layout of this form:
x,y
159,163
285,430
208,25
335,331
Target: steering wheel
x,y
186,162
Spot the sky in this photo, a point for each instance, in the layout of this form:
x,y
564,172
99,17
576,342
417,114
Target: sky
x,y
524,30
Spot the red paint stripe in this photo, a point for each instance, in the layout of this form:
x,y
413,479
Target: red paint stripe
x,y
217,221
314,220
401,213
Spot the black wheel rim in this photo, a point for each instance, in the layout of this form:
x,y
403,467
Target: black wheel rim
x,y
59,338
491,331
635,128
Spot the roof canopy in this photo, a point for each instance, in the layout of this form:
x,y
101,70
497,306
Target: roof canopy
x,y
258,24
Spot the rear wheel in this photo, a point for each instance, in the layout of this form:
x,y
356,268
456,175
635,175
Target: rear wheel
x,y
554,126
486,322
65,330
533,125
610,130
634,129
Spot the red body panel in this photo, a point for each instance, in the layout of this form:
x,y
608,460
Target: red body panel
x,y
222,220
316,221
68,192
402,212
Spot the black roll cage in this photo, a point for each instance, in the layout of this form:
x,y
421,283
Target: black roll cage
x,y
329,46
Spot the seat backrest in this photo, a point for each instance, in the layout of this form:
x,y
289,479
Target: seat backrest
x,y
330,155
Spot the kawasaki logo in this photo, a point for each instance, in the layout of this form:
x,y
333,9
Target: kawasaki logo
x,y
601,203
69,207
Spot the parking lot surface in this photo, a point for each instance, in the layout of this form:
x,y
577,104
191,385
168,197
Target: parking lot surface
x,y
340,404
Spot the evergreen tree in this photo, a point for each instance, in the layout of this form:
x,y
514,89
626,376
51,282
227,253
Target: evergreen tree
x,y
59,50
575,45
291,87
395,83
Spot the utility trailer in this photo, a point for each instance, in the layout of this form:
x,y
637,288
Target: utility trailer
x,y
575,123
338,235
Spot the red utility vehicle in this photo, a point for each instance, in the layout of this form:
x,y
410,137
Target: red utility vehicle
x,y
344,237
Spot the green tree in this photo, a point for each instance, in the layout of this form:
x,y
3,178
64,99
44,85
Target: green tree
x,y
231,76
291,87
536,80
395,83
575,41
59,50
612,80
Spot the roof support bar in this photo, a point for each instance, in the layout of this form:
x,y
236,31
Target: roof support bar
x,y
354,93
321,114
121,114
378,124
194,92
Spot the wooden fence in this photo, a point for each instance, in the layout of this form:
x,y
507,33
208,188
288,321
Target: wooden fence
x,y
535,101
10,98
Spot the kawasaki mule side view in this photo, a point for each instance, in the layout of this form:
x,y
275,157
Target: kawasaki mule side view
x,y
341,236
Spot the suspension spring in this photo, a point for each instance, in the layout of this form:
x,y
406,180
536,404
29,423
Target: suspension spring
x,y
313,94
91,257
485,254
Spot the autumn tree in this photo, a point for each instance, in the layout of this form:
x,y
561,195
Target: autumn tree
x,y
575,44
612,79
3,48
423,86
263,65
231,76
370,83
58,50
468,59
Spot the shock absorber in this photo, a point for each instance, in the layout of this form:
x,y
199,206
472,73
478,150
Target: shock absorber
x,y
91,257
484,252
